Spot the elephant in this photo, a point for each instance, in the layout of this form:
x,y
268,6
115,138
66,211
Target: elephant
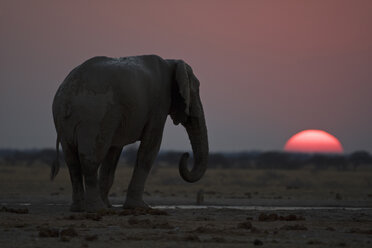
x,y
106,103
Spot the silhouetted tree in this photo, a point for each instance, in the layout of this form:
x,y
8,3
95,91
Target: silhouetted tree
x,y
360,158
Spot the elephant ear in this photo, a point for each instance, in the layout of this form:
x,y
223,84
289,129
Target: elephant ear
x,y
183,82
180,109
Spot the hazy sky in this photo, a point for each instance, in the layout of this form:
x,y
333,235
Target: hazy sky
x,y
268,69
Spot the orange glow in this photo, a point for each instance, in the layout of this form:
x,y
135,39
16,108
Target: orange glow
x,y
313,141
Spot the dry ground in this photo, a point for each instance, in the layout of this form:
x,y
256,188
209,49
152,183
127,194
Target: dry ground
x,y
49,224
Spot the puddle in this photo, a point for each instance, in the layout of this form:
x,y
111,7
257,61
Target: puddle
x,y
56,204
18,204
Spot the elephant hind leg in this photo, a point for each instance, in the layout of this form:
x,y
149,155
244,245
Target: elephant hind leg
x,y
107,172
93,146
76,176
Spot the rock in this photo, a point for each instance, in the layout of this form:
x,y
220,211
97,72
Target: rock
x,y
294,227
275,217
205,229
163,225
357,230
46,232
257,242
70,232
142,211
291,217
91,237
314,242
268,217
192,237
245,225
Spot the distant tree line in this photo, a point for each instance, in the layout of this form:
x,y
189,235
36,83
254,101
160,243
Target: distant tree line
x,y
254,160
278,160
27,157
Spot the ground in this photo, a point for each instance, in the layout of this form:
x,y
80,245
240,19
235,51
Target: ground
x,y
241,208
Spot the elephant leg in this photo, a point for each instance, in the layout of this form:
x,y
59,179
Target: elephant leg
x,y
146,155
76,177
107,172
93,201
93,145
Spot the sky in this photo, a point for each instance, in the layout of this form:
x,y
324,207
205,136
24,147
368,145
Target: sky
x,y
268,69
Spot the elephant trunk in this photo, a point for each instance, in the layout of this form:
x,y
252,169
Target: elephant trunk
x,y
197,132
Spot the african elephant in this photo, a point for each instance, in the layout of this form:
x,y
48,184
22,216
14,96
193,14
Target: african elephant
x,y
106,103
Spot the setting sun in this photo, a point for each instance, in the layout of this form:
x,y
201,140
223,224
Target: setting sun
x,y
313,141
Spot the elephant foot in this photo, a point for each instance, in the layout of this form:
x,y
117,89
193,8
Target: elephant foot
x,y
107,203
77,207
133,203
94,206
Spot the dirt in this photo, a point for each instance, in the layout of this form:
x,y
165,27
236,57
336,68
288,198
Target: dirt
x,y
52,226
14,210
275,217
30,216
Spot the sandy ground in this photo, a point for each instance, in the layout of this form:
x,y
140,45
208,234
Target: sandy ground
x,y
34,211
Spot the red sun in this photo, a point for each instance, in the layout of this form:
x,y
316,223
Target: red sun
x,y
313,141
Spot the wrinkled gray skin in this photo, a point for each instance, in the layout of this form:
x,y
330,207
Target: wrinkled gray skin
x,y
107,103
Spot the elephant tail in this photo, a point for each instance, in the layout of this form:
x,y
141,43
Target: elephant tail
x,y
55,166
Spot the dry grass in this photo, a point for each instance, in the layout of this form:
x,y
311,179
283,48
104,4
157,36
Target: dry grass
x,y
217,183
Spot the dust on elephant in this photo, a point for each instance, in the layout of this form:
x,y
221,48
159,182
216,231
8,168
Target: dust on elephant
x,y
106,103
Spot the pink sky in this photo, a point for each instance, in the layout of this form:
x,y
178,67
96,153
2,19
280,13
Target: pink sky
x,y
268,69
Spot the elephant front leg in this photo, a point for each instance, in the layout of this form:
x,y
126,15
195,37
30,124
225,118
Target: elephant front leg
x,y
146,155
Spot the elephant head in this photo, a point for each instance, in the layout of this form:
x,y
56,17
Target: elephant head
x,y
187,109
